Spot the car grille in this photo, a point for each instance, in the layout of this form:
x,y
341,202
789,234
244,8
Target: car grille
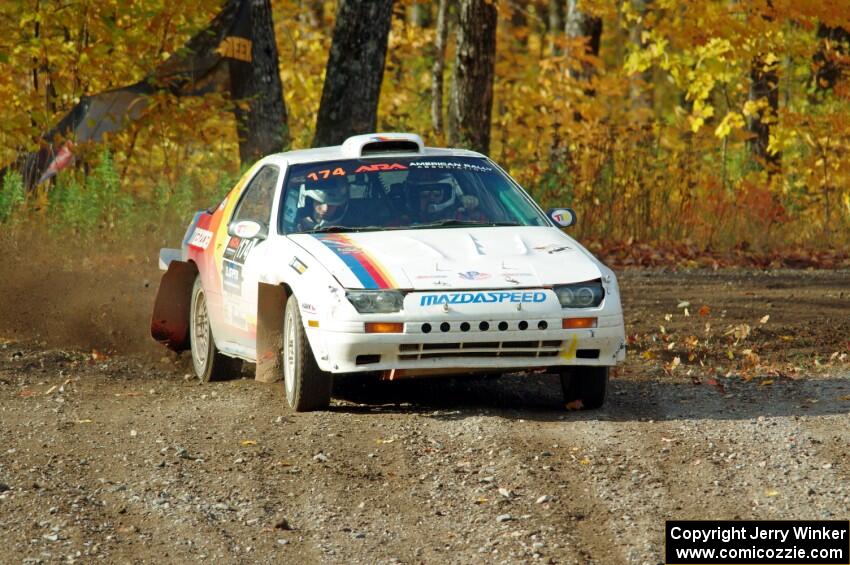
x,y
531,348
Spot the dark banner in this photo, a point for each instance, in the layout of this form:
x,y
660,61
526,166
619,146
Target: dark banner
x,y
744,542
208,62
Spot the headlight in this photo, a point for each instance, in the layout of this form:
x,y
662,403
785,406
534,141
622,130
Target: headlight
x,y
375,301
581,295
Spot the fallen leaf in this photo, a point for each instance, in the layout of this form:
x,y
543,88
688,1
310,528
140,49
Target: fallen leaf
x,y
247,442
86,421
766,382
51,389
27,392
845,398
481,501
575,404
683,304
585,461
764,319
704,310
98,355
390,440
771,492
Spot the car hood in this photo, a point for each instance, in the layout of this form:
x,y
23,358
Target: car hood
x,y
460,258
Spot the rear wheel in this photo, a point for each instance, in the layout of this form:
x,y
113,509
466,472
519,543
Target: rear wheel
x,y
307,387
585,388
208,362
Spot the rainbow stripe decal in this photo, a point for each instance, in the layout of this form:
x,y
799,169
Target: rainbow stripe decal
x,y
366,268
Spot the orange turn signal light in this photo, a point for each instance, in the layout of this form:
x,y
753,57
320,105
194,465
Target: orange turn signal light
x,y
384,327
578,323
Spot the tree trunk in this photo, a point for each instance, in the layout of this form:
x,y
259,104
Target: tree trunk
x,y
354,72
764,84
556,24
439,65
262,126
420,14
640,86
581,25
472,95
834,44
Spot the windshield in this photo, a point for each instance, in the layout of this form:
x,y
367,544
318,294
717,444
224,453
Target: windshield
x,y
402,193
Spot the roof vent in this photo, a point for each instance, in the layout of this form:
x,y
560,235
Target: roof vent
x,y
377,143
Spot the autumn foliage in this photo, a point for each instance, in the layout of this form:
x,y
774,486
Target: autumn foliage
x,y
652,147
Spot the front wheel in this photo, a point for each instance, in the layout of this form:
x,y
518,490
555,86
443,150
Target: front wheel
x,y
307,386
208,362
584,388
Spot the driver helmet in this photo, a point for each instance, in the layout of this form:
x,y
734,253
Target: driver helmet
x,y
429,187
329,200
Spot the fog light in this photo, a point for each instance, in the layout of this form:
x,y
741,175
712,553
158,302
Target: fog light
x,y
384,328
578,323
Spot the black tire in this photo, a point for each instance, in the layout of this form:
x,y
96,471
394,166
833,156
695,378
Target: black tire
x,y
586,384
208,362
305,385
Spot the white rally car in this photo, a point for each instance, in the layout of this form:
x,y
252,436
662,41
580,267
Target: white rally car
x,y
385,256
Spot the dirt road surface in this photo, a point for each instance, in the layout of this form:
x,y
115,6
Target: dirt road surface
x,y
112,453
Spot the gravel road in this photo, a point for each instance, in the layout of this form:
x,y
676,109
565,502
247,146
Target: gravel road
x,y
116,456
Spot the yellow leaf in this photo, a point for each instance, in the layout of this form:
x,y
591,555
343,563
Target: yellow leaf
x,y
585,461
732,120
766,382
771,492
247,442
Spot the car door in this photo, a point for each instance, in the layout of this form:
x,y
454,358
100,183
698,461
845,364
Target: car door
x,y
238,280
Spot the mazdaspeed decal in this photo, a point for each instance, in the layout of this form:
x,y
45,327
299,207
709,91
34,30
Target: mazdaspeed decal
x,y
487,297
371,274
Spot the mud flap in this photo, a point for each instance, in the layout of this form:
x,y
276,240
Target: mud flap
x,y
271,301
170,321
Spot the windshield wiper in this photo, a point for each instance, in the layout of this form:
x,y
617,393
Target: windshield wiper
x,y
331,229
334,229
463,223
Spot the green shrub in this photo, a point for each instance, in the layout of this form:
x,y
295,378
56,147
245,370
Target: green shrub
x,y
12,195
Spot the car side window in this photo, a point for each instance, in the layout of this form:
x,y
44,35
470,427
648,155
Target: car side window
x,y
256,202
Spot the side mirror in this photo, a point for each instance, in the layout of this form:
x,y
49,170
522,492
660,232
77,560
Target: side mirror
x,y
248,229
564,217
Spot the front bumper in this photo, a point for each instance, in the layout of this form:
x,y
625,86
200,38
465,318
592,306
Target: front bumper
x,y
465,344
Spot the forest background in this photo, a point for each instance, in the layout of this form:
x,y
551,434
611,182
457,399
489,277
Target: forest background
x,y
707,125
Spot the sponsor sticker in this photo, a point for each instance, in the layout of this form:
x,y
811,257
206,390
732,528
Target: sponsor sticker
x,y
201,238
298,266
488,297
473,276
237,249
377,167
231,276
308,308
